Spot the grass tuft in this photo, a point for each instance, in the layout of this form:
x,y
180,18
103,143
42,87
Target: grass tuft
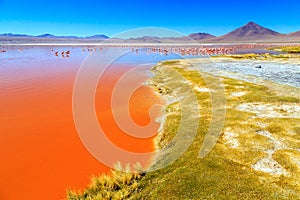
x,y
117,185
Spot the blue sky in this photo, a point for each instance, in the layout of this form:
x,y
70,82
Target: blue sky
x,y
82,18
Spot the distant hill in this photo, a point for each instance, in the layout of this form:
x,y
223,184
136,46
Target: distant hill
x,y
153,39
46,36
97,37
54,36
294,34
23,38
144,39
13,35
201,36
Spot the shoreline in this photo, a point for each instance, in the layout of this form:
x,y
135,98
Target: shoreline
x,y
170,98
279,89
255,155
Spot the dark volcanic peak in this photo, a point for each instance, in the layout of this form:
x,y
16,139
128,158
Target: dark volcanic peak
x,y
252,30
201,36
249,32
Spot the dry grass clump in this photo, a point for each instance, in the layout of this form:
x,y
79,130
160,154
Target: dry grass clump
x,y
117,185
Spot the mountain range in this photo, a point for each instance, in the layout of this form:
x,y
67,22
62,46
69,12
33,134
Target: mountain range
x,y
53,36
250,32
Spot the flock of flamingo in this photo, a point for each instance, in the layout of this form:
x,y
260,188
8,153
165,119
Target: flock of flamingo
x,y
183,51
62,53
194,51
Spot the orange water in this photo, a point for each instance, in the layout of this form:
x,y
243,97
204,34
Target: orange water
x,y
41,153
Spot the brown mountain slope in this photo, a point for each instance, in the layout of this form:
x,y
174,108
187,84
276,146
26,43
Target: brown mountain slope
x,y
250,32
294,34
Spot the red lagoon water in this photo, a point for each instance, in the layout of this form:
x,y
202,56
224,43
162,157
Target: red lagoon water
x,y
41,153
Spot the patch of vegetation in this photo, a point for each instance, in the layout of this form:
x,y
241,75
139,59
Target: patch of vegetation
x,y
289,159
286,130
171,62
287,49
118,185
297,130
275,128
264,56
